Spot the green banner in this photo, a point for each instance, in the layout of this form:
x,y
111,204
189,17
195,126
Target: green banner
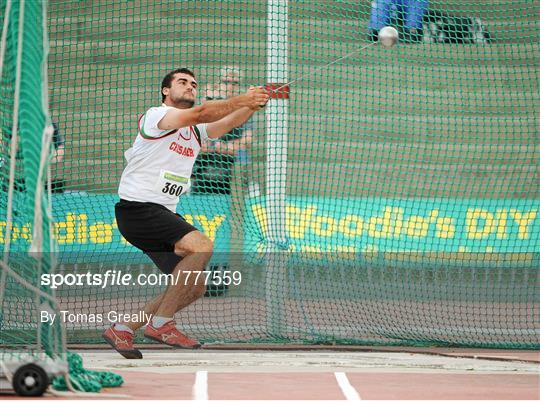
x,y
370,225
85,226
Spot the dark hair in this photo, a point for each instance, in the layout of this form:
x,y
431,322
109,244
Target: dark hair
x,y
167,80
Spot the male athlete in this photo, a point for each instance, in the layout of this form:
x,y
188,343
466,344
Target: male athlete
x,y
158,171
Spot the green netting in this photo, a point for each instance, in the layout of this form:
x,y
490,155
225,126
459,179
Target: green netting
x,y
86,380
391,199
25,216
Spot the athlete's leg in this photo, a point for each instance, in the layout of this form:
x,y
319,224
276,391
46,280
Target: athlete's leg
x,y
166,262
149,309
187,290
195,250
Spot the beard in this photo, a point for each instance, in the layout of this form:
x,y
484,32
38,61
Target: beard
x,y
184,102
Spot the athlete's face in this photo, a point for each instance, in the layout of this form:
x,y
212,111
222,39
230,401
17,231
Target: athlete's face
x,y
183,90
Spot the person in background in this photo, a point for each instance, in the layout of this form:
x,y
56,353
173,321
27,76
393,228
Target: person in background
x,y
58,156
408,13
58,183
221,166
213,170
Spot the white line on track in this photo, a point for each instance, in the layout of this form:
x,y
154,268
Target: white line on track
x,y
200,388
346,387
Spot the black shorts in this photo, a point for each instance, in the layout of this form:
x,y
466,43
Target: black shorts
x,y
154,229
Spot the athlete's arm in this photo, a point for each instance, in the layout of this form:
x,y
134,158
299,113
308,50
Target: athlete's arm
x,y
221,127
230,147
214,110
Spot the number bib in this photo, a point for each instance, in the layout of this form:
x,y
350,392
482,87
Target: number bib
x,y
172,184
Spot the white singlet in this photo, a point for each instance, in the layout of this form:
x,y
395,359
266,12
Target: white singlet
x,y
160,162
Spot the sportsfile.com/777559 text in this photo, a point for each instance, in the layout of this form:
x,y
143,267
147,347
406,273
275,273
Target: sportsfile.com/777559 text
x,y
119,278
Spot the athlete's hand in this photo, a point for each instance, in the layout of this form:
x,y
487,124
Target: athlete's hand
x,y
257,97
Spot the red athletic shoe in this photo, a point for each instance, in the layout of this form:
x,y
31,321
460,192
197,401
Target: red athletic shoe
x,y
169,335
122,342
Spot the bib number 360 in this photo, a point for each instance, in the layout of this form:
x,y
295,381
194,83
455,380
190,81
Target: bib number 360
x,y
171,185
172,189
